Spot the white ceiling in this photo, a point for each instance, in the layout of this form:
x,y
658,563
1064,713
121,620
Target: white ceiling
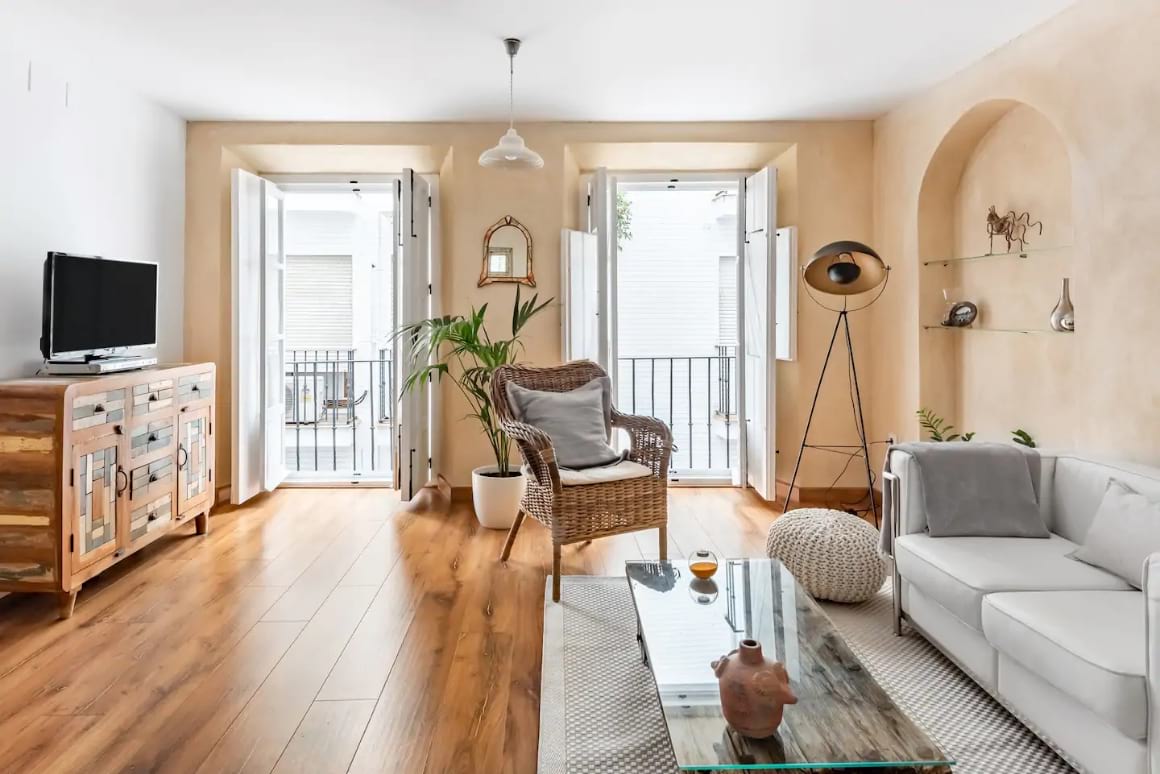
x,y
593,60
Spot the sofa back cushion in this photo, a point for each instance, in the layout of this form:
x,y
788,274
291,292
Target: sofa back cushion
x,y
1078,486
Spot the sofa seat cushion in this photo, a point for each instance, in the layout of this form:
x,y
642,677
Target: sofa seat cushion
x,y
957,572
1088,644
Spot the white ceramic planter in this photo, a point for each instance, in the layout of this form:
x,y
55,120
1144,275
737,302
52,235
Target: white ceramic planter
x,y
496,500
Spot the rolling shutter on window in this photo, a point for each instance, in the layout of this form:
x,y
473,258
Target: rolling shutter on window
x,y
727,300
319,308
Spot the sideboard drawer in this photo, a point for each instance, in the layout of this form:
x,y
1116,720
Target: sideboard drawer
x,y
195,387
152,397
150,517
153,436
99,408
147,482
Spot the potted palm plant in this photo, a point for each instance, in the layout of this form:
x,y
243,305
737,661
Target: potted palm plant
x,y
460,348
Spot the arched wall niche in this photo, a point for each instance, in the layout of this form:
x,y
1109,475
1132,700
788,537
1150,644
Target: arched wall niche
x,y
995,378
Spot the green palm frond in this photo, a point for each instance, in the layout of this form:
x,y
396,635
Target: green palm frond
x,y
461,348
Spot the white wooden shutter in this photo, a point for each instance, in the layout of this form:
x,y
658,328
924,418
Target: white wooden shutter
x,y
413,450
580,316
787,289
759,310
258,327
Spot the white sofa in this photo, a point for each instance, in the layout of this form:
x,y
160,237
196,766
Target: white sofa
x,y
1071,650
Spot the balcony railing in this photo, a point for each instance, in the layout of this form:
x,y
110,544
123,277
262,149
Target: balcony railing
x,y
339,413
696,397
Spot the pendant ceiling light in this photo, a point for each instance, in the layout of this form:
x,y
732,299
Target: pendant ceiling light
x,y
511,152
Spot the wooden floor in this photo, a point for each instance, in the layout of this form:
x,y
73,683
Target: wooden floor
x,y
314,631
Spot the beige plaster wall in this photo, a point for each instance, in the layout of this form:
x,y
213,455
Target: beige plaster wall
x,y
833,163
1089,75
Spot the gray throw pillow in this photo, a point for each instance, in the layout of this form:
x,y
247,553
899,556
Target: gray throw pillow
x,y
1123,533
579,421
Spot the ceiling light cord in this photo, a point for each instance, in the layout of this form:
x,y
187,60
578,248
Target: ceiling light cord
x,y
511,91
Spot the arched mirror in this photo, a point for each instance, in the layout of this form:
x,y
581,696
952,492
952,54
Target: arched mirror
x,y
507,254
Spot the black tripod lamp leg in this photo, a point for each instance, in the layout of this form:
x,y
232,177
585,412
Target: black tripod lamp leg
x,y
861,424
817,392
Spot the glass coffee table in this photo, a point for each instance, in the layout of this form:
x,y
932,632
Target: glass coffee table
x,y
843,719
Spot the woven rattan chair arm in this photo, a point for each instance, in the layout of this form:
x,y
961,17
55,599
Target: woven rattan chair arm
x,y
537,451
652,441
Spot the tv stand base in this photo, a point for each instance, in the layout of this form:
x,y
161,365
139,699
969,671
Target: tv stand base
x,y
97,366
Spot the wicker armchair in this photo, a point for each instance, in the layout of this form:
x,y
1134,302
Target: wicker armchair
x,y
576,514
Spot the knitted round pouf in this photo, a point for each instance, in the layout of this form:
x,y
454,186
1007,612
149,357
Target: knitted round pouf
x,y
832,554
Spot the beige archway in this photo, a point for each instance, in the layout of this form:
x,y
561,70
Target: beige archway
x,y
995,378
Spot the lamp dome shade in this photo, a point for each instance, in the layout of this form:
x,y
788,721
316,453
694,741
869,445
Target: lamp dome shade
x,y
511,153
845,268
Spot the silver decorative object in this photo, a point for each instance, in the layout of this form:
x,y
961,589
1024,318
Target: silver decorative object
x,y
1063,316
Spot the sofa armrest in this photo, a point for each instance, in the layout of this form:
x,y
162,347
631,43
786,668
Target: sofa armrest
x,y
909,511
1152,657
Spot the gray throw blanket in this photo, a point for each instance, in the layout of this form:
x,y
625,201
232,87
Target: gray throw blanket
x,y
972,490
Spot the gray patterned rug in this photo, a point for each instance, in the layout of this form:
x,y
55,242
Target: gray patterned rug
x,y
599,713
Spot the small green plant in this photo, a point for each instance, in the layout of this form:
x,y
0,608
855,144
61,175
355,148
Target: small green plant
x,y
1023,438
938,429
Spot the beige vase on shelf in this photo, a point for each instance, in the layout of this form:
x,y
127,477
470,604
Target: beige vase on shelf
x,y
754,690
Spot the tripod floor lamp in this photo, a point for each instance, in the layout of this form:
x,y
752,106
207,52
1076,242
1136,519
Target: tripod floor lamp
x,y
842,269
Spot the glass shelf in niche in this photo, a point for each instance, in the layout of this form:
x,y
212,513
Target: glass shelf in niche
x,y
987,330
1020,254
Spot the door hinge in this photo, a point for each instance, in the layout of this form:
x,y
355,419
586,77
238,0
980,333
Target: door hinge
x,y
429,288
210,471
589,202
72,477
428,201
211,428
72,544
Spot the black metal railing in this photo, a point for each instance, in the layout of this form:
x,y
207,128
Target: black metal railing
x,y
339,412
697,398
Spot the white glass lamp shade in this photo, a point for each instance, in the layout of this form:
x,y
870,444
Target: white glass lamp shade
x,y
511,153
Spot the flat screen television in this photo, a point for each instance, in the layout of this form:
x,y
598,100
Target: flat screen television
x,y
95,306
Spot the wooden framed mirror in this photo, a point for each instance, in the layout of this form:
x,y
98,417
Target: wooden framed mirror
x,y
507,253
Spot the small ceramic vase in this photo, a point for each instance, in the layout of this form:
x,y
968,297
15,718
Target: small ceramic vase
x,y
754,690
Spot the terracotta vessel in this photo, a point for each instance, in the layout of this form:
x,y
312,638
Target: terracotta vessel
x,y
754,690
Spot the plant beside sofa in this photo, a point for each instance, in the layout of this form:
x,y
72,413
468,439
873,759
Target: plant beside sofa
x,y
461,348
939,430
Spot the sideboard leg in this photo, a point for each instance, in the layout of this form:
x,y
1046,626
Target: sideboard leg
x,y
201,521
65,602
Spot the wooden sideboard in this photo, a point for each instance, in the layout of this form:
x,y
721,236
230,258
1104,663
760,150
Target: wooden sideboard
x,y
93,469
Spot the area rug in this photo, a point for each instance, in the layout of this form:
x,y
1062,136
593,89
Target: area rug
x,y
599,712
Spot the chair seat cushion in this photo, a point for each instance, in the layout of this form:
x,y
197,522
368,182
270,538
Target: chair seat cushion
x,y
957,572
621,471
1088,644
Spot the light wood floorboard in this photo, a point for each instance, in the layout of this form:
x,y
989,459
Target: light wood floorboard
x,y
314,631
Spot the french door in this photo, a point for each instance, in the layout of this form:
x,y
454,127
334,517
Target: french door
x,y
688,333
338,403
